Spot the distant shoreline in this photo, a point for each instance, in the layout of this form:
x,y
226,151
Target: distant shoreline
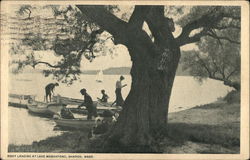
x,y
111,71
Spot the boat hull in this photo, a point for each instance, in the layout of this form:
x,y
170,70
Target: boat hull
x,y
73,104
75,123
20,101
42,108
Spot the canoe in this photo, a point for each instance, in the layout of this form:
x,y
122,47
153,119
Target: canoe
x,y
75,123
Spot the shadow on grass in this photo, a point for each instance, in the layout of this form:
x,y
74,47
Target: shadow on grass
x,y
227,135
215,137
69,142
176,134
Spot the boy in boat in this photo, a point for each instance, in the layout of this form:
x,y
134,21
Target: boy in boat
x,y
49,90
104,97
103,124
67,114
118,92
88,103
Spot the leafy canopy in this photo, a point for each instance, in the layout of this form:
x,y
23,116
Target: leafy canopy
x,y
72,35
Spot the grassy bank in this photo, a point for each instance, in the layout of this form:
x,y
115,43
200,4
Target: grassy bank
x,y
211,128
68,142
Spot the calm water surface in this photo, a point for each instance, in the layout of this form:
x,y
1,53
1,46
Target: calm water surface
x,y
25,128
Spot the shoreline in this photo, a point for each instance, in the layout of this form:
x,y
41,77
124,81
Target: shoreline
x,y
210,128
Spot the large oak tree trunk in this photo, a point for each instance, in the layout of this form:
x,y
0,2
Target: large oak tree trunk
x,y
145,109
154,64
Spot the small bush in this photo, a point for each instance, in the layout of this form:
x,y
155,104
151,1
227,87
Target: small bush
x,y
232,97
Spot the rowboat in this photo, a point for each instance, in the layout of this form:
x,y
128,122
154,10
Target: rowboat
x,y
73,104
75,123
74,101
20,101
43,108
67,100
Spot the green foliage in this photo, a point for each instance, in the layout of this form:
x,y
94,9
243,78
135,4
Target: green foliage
x,y
20,57
196,12
25,9
176,11
74,37
216,59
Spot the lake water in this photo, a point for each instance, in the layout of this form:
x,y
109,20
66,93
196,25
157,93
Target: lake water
x,y
25,128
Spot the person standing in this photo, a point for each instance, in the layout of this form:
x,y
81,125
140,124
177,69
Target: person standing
x,y
118,92
49,90
88,103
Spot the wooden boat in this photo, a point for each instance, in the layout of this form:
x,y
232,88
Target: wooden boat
x,y
75,123
43,108
73,104
20,101
67,100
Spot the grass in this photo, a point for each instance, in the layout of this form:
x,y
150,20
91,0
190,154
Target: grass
x,y
69,142
214,127
226,136
211,128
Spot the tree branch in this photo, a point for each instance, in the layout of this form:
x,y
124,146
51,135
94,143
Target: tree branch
x,y
207,21
188,28
204,65
138,16
46,63
231,73
186,40
106,20
226,15
223,38
227,27
159,27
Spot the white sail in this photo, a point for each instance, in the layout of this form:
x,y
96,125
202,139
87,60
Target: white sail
x,y
99,77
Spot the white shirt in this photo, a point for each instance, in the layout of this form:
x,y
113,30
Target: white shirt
x,y
118,84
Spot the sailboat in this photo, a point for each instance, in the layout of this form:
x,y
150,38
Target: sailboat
x,y
99,77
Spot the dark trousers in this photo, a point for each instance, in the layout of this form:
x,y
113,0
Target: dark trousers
x,y
48,94
119,100
91,112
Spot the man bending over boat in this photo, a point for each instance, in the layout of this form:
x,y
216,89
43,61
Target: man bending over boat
x,y
49,90
88,103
